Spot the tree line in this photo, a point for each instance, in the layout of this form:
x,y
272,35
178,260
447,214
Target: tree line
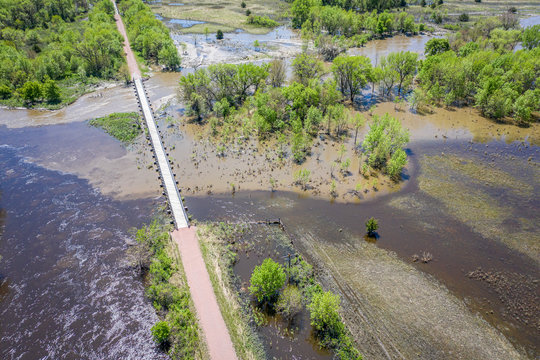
x,y
148,36
55,45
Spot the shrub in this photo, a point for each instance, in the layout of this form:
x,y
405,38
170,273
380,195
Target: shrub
x,y
300,272
385,137
263,21
464,17
290,302
160,332
219,35
243,4
5,92
324,313
266,280
248,12
31,91
51,91
371,226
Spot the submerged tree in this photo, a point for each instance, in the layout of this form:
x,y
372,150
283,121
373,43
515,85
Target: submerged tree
x,y
266,280
371,226
383,144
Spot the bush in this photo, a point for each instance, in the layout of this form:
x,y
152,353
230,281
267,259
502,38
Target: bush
x,y
531,37
31,91
219,35
464,17
160,332
371,226
290,302
385,137
300,272
5,92
266,280
248,12
263,21
51,91
243,4
324,313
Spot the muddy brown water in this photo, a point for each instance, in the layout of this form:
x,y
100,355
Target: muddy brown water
x,y
65,291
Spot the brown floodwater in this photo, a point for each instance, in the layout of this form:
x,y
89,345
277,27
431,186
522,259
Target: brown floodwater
x,y
65,290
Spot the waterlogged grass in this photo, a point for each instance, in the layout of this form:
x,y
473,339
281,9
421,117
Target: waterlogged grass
x,y
218,263
396,311
122,126
484,198
223,15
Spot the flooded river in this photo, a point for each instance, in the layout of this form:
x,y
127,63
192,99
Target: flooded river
x,y
65,291
69,194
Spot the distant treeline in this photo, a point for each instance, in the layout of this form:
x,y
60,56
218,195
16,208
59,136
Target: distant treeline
x,y
148,36
43,42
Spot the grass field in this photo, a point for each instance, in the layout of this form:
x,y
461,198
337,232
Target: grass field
x,y
222,14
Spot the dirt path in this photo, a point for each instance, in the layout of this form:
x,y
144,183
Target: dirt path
x,y
132,63
210,319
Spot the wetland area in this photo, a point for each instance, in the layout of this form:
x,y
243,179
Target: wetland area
x,y
70,195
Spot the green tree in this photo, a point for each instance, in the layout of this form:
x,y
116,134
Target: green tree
x,y
384,138
371,226
404,64
51,91
5,92
351,74
306,67
396,163
300,11
324,313
161,332
31,91
357,122
436,46
530,37
219,35
266,280
168,56
525,105
289,303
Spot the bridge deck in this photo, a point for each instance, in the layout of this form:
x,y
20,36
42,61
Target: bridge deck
x,y
175,201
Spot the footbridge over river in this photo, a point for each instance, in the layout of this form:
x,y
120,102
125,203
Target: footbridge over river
x,y
213,328
178,210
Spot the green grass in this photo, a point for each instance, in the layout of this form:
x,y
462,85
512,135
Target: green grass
x,y
122,126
